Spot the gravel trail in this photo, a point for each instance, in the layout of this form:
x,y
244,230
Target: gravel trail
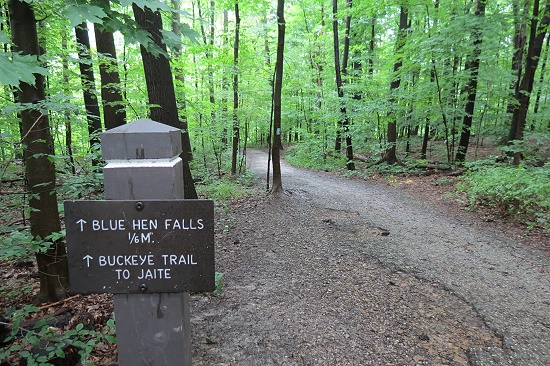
x,y
344,272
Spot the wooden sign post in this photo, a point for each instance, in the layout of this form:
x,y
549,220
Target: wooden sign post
x,y
145,244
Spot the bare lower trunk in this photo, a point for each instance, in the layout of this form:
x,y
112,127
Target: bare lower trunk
x,y
276,148
39,168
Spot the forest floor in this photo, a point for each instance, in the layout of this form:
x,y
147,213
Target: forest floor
x,y
340,271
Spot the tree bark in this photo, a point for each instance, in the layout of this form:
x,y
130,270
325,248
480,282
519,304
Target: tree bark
x,y
276,148
344,121
68,126
208,54
160,86
541,80
536,40
390,154
426,135
39,168
519,40
236,129
114,111
472,66
371,46
181,78
87,78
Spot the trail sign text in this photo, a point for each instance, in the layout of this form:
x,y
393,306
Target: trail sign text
x,y
140,246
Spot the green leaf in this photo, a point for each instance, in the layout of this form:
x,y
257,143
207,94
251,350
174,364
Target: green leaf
x,y
59,353
21,68
153,5
42,359
144,38
189,32
111,339
81,12
4,38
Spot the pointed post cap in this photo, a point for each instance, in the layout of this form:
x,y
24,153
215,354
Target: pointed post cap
x,y
141,139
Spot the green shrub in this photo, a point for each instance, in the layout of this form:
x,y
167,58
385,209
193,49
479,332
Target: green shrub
x,y
226,187
219,284
42,343
520,191
314,156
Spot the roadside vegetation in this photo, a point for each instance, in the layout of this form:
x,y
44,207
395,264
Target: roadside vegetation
x,y
79,328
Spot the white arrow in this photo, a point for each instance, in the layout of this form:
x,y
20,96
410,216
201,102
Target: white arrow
x,y
81,222
87,259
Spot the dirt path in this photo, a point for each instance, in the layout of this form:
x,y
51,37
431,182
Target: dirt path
x,y
343,272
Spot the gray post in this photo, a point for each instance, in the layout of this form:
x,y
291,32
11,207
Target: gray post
x,y
143,163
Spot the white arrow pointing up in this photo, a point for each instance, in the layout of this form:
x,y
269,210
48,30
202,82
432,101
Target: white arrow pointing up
x,y
88,258
81,222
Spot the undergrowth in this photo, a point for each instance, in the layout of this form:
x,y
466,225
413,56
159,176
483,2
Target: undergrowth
x,y
225,187
313,157
523,192
43,343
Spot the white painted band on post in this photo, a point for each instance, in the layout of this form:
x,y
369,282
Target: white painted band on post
x,y
143,163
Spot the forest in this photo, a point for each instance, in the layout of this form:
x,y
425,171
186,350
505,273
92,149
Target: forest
x,y
362,88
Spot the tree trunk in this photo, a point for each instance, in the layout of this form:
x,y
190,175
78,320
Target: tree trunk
x,y
344,122
541,80
68,126
472,66
371,46
114,111
39,169
88,86
426,135
225,82
208,54
236,131
519,40
160,86
181,78
536,40
277,146
390,154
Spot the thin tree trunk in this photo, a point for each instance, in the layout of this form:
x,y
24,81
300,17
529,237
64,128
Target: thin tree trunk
x,y
519,40
277,146
39,169
114,111
272,86
344,121
426,136
536,40
225,78
68,127
390,154
160,86
338,139
208,53
472,66
371,45
266,39
236,129
318,62
180,76
541,80
87,78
